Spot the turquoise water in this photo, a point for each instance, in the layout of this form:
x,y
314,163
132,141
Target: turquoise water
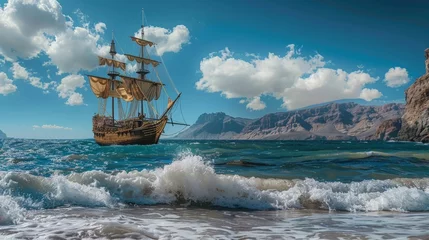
x,y
213,189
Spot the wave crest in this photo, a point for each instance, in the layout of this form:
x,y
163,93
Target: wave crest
x,y
190,180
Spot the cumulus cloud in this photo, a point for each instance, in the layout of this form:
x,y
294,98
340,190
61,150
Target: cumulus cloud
x,y
70,46
256,104
75,99
166,40
19,72
22,36
396,77
299,81
67,89
370,94
6,85
100,27
83,56
48,126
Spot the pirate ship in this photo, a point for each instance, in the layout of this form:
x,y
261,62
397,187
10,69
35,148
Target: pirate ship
x,y
140,121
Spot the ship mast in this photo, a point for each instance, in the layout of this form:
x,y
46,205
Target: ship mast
x,y
142,71
113,75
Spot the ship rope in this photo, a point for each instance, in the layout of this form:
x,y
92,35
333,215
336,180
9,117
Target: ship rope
x,y
157,75
148,103
102,106
176,133
157,109
132,109
168,74
151,113
181,112
120,110
147,100
163,63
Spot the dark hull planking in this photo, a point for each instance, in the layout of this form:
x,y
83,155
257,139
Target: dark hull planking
x,y
148,134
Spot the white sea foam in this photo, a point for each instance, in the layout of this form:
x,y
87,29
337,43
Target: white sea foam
x,y
10,211
190,180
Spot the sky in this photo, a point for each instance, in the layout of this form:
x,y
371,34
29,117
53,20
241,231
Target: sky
x,y
244,58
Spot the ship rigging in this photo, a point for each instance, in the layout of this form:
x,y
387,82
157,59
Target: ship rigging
x,y
140,122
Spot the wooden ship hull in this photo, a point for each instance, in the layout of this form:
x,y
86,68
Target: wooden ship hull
x,y
144,132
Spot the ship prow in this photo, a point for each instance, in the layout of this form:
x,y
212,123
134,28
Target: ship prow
x,y
140,122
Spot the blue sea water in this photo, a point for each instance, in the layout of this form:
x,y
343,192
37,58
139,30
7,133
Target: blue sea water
x,y
214,190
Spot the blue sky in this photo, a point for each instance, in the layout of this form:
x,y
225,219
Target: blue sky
x,y
244,58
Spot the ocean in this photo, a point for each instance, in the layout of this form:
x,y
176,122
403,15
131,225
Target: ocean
x,y
75,189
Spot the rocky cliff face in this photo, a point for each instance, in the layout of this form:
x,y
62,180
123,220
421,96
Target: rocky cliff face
x,y
334,121
414,125
388,129
2,135
415,122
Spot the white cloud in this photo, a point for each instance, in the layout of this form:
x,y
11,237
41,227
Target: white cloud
x,y
48,126
166,40
24,37
100,27
75,99
67,89
370,94
74,50
19,72
297,80
71,48
396,77
35,81
256,104
29,28
6,85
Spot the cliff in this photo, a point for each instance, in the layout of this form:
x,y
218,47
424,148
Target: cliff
x,y
345,121
414,124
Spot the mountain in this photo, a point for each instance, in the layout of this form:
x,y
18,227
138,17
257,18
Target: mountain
x,y
215,126
414,124
334,121
2,135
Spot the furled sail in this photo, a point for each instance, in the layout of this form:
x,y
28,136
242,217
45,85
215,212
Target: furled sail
x,y
142,42
144,60
142,89
102,87
110,62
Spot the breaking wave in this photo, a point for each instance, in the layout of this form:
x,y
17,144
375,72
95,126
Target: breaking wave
x,y
191,181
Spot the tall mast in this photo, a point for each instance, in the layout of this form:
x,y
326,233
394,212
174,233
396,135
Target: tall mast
x,y
113,75
142,71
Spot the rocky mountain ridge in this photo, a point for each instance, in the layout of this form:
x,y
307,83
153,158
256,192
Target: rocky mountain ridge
x,y
344,121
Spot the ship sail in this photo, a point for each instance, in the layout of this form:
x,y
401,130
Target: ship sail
x,y
146,61
142,42
110,62
124,94
102,87
142,89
